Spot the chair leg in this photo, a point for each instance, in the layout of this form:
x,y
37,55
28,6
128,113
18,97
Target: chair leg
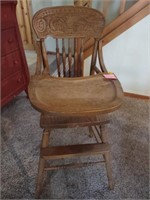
x,y
44,143
103,131
90,131
109,170
107,157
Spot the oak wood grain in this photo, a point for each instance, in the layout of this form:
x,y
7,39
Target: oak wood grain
x,y
73,150
75,96
71,100
78,19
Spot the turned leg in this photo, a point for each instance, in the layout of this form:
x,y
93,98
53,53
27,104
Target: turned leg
x,y
44,143
107,157
103,132
90,131
109,170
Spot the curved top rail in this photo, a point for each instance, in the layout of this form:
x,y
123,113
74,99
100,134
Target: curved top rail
x,y
68,22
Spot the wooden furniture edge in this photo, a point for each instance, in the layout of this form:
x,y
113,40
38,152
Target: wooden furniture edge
x,y
137,96
125,16
125,25
120,20
56,152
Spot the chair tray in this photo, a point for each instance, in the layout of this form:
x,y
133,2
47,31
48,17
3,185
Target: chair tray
x,y
75,96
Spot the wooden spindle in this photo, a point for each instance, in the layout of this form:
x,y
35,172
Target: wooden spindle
x,y
26,20
21,22
81,60
69,57
58,57
94,56
88,4
100,57
122,6
64,57
44,58
75,57
106,5
78,46
85,3
39,58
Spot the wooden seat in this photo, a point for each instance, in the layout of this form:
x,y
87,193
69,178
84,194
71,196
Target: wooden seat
x,y
72,100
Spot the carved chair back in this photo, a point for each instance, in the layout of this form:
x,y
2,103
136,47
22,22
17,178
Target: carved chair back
x,y
66,24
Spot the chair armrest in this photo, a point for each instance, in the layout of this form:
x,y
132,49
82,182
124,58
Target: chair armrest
x,y
39,62
100,57
97,70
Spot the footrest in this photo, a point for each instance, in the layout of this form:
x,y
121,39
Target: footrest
x,y
74,150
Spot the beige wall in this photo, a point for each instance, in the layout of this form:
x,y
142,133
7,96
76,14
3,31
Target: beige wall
x,y
128,56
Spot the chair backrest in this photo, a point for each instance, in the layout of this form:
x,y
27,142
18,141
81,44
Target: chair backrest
x,y
66,24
